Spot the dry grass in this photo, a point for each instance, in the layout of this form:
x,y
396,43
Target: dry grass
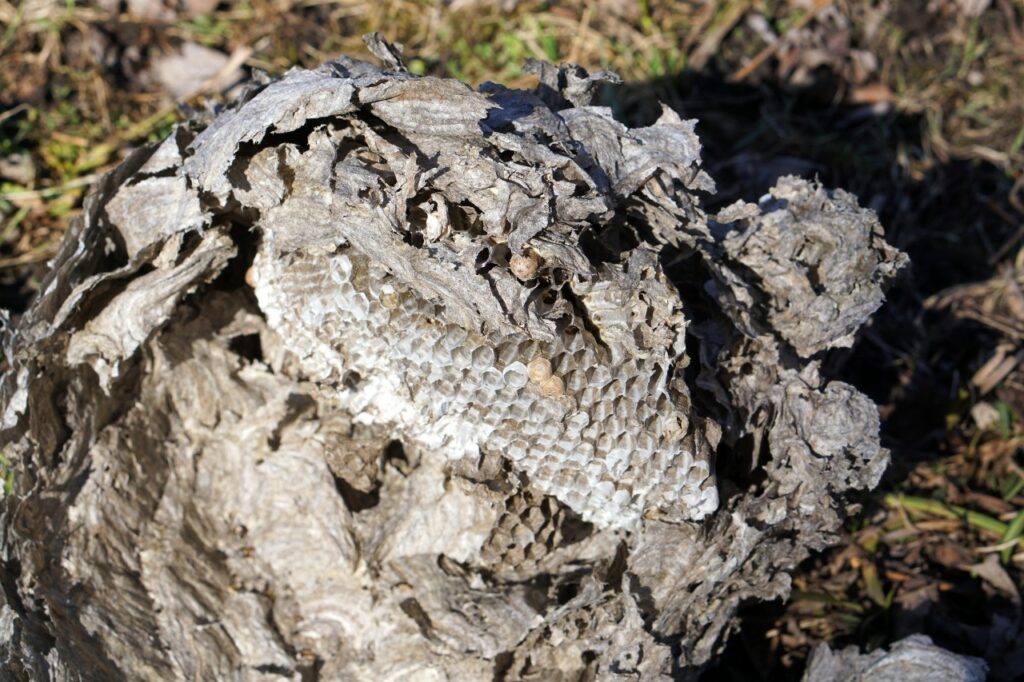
x,y
76,95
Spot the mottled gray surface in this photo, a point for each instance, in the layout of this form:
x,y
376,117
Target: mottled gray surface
x,y
382,377
913,659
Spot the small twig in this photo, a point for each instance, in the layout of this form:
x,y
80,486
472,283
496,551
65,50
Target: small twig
x,y
716,32
13,111
770,50
48,192
949,511
222,78
1012,241
1003,361
1012,197
41,254
995,549
581,31
1012,536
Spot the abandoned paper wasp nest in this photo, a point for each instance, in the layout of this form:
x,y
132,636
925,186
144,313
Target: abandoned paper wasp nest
x,y
603,429
374,376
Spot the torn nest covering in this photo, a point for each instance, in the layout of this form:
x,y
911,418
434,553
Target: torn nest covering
x,y
384,377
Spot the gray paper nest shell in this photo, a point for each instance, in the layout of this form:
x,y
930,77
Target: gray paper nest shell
x,y
912,659
383,377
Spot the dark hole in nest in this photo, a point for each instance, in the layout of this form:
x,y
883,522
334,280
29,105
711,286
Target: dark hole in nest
x,y
356,500
360,500
503,665
272,669
748,654
483,261
310,672
351,380
740,467
567,592
8,581
190,241
237,171
394,455
232,277
465,217
414,239
607,242
247,346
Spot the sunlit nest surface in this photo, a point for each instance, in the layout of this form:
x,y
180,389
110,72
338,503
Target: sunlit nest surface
x,y
383,376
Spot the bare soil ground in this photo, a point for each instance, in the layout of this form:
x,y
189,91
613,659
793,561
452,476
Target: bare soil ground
x,y
917,107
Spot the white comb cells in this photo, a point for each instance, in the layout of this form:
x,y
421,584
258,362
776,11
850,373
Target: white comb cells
x,y
605,439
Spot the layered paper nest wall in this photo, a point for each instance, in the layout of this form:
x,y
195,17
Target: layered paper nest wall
x,y
382,377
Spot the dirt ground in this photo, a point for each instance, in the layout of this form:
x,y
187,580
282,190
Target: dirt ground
x,y
917,107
